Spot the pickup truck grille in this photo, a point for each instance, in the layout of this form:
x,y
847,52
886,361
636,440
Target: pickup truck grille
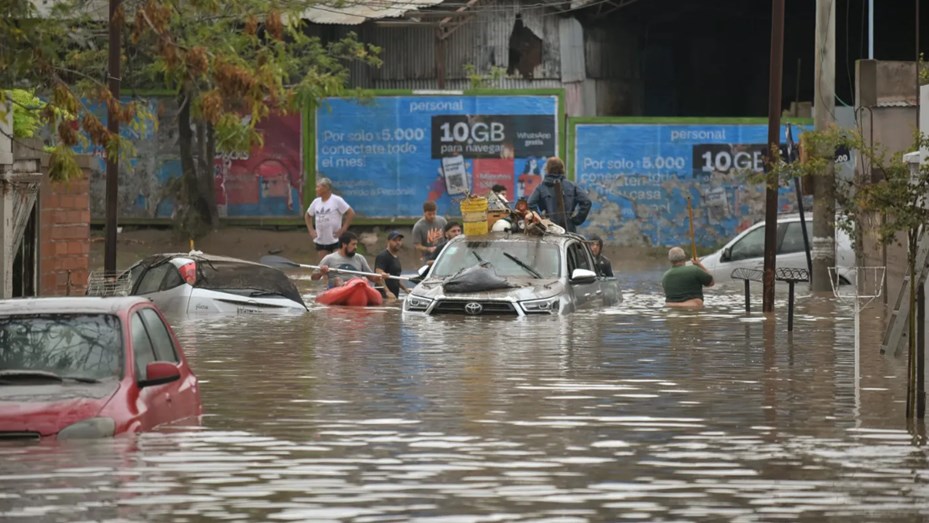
x,y
468,308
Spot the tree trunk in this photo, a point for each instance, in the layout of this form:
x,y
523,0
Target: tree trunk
x,y
205,175
195,218
912,385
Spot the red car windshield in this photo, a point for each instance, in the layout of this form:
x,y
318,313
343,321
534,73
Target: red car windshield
x,y
76,346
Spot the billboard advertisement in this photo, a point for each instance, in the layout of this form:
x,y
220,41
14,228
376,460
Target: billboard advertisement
x,y
640,175
388,155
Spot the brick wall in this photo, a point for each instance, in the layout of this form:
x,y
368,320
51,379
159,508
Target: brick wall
x,y
64,237
64,225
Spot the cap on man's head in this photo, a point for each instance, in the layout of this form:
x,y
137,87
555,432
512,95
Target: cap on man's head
x,y
595,238
393,235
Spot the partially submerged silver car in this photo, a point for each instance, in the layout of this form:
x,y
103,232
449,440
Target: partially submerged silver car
x,y
197,283
513,274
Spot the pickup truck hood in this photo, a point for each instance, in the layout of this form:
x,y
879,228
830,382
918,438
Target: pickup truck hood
x,y
525,289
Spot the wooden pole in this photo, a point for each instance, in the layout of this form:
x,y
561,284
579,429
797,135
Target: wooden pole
x,y
112,125
776,68
823,248
693,241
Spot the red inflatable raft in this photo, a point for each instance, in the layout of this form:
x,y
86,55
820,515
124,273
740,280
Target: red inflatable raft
x,y
355,292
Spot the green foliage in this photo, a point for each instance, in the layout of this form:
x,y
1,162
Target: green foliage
x,y
26,117
888,190
56,57
888,200
62,161
481,80
240,60
923,71
898,195
233,61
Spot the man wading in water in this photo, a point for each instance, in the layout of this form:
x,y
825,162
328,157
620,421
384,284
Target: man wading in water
x,y
683,284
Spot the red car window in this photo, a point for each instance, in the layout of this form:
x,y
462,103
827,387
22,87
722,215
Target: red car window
x,y
141,346
161,339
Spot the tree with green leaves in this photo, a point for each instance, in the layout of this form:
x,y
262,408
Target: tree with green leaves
x,y
230,64
889,203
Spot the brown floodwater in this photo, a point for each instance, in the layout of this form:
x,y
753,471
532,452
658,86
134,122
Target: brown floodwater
x,y
632,413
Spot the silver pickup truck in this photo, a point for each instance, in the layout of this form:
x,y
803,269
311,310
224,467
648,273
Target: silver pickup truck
x,y
513,274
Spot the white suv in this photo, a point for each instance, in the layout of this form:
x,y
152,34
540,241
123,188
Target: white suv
x,y
746,250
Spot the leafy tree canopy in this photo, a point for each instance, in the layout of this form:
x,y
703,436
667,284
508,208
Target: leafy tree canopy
x,y
232,61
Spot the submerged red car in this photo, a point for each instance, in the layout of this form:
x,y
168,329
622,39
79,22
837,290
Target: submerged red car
x,y
90,367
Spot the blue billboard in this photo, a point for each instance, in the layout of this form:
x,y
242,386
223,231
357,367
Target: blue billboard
x,y
640,175
388,155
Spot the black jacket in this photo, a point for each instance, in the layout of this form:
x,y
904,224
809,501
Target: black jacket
x,y
576,202
605,268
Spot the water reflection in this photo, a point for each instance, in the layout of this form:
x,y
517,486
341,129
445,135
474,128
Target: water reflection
x,y
632,413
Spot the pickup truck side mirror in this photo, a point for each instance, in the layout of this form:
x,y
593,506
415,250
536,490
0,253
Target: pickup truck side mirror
x,y
583,276
420,274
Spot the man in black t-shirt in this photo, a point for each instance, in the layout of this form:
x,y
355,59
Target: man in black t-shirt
x,y
388,262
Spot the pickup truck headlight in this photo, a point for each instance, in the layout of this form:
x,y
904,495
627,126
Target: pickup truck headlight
x,y
548,305
89,428
417,303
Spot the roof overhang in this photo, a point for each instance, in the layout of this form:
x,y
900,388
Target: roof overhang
x,y
355,12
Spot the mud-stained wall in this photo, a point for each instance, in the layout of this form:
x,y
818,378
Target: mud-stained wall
x,y
143,179
265,182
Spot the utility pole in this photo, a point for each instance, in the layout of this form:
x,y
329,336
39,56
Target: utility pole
x,y
823,117
775,74
112,125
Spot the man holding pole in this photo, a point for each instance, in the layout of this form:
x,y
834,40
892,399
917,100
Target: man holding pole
x,y
344,259
387,263
683,284
558,199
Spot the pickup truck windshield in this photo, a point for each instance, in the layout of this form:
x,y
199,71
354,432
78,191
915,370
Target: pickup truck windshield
x,y
543,258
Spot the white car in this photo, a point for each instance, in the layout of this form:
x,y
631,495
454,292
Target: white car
x,y
194,283
746,250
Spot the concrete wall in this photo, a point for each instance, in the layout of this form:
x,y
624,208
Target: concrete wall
x,y
886,105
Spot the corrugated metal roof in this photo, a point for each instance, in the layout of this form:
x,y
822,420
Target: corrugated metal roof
x,y
354,12
340,12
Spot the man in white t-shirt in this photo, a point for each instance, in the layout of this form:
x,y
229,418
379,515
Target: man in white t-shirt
x,y
327,218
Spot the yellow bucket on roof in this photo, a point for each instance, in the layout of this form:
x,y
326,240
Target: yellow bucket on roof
x,y
474,215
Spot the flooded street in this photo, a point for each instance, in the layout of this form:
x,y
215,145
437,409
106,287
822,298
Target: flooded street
x,y
634,413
